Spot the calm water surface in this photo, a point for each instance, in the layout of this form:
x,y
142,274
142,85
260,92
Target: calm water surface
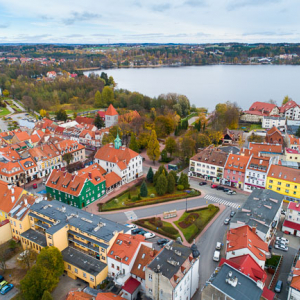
x,y
206,86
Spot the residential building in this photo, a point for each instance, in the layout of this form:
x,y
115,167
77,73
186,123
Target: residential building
x,y
47,158
291,224
261,211
108,296
130,289
258,110
174,273
270,121
143,258
244,241
290,110
235,169
292,154
111,116
294,286
122,255
230,283
5,231
84,120
292,141
209,164
285,181
256,172
84,239
266,149
19,137
274,136
232,136
126,163
78,189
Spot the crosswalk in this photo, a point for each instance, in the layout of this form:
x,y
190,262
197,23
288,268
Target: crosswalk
x,y
130,215
221,201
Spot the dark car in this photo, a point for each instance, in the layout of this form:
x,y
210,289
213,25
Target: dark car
x,y
278,286
162,242
232,214
220,188
203,183
226,190
136,231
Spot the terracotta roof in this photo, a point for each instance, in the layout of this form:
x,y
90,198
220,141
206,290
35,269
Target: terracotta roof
x,y
101,113
294,206
69,146
110,154
288,105
111,179
262,106
9,153
34,138
28,163
76,295
111,111
237,162
25,202
212,156
273,130
125,247
22,136
248,266
131,285
44,152
121,165
108,296
84,120
93,172
268,294
294,140
284,173
259,163
85,132
59,129
6,203
12,167
243,237
248,152
143,258
264,147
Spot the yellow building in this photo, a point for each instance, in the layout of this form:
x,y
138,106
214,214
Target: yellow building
x,y
292,154
284,181
84,239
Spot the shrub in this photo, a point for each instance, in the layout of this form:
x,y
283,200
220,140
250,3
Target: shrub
x,y
170,230
152,195
139,197
180,187
116,200
129,196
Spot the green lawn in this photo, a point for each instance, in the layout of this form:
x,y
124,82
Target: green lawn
x,y
195,224
273,261
122,201
4,111
255,126
162,227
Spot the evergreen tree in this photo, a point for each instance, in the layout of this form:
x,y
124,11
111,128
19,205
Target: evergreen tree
x,y
61,115
171,183
133,145
153,147
47,296
98,100
161,185
298,132
144,190
184,180
150,175
161,170
164,155
174,174
98,122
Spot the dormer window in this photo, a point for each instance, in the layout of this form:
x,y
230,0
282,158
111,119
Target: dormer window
x,y
112,252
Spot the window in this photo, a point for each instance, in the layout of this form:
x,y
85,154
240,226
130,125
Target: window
x,y
270,186
279,183
288,185
118,268
113,266
76,271
69,267
139,266
91,278
143,256
278,189
84,275
287,191
150,277
150,291
271,181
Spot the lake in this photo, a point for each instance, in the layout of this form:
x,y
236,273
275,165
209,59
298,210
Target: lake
x,y
206,86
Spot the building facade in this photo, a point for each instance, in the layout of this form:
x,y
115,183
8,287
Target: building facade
x,y
269,122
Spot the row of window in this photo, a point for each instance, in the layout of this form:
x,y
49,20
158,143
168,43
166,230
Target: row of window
x,y
83,273
279,189
279,183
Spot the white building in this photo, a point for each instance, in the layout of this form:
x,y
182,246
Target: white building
x,y
125,162
174,273
270,121
291,225
294,286
290,110
111,116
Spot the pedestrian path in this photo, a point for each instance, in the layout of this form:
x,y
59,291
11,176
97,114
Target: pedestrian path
x,y
221,201
130,215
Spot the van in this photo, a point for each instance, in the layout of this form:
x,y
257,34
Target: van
x,y
216,256
218,246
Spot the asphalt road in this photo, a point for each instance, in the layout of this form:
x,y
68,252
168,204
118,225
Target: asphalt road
x,y
10,294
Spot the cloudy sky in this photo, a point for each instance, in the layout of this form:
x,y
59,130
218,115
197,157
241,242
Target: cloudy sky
x,y
178,21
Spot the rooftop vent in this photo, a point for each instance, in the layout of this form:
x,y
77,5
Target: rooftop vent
x,y
232,280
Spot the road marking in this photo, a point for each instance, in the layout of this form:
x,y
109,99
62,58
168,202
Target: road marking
x,y
130,215
222,201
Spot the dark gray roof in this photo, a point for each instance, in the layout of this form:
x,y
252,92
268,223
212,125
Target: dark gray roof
x,y
230,149
261,207
245,289
83,261
35,237
161,263
63,214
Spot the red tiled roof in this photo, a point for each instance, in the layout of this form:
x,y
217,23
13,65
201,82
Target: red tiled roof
x,y
111,179
76,295
111,111
22,136
131,285
84,120
284,173
101,113
273,130
294,206
34,138
237,162
268,294
262,106
85,132
6,203
108,296
264,147
288,105
257,161
291,225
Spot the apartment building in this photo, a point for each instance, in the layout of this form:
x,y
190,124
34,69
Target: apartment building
x,y
84,239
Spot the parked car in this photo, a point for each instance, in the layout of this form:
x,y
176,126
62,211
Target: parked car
x,y
232,214
219,246
278,286
142,232
213,186
6,288
132,226
220,188
282,240
203,183
1,278
34,186
231,192
44,181
136,231
149,235
281,247
226,190
162,242
226,221
216,256
3,284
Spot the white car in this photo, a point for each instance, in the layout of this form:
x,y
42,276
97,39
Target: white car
x,y
281,247
149,235
218,246
132,226
282,240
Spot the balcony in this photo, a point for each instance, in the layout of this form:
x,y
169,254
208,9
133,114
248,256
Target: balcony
x,y
88,245
42,225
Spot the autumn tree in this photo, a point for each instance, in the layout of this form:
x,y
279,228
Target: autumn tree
x,y
286,99
185,148
5,93
28,259
43,113
143,139
98,100
47,296
161,185
107,95
67,157
170,145
164,125
133,145
28,102
153,149
255,138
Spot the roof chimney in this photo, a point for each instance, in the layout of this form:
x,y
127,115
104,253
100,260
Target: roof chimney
x,y
90,175
12,199
25,202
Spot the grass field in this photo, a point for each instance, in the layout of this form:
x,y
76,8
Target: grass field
x,y
4,111
195,224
